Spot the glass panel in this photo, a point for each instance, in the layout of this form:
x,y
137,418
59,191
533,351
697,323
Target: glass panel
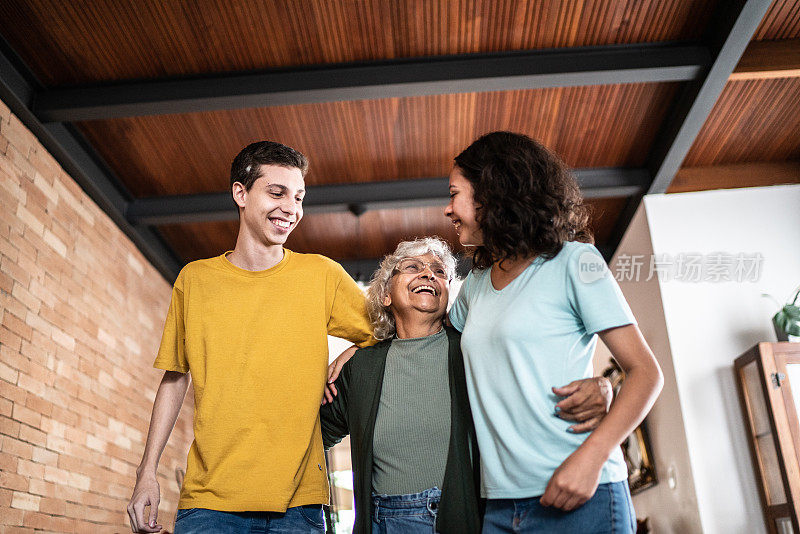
x,y
784,525
341,481
765,445
755,395
793,374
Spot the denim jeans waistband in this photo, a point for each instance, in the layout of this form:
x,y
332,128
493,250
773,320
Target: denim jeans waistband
x,y
408,504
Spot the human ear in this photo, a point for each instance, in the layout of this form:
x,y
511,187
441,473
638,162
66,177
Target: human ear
x,y
239,194
387,300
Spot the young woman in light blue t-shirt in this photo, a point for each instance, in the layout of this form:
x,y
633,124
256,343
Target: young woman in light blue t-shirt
x,y
530,312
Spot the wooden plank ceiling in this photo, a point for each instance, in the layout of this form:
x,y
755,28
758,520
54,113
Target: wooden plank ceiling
x,y
782,21
94,41
755,121
389,139
751,136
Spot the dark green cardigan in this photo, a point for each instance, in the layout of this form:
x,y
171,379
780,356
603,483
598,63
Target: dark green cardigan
x,y
354,411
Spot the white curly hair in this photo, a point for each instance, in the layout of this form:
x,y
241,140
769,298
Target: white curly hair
x,y
380,315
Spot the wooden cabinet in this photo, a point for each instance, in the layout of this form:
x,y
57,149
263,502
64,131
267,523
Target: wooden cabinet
x,y
768,379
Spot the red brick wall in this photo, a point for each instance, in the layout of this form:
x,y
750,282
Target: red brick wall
x,y
81,318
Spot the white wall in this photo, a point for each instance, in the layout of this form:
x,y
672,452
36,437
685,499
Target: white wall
x,y
709,324
672,508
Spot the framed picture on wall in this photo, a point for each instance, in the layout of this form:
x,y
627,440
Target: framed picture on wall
x,y
636,447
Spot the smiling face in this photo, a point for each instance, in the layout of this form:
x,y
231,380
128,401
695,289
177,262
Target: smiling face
x,y
422,292
461,210
273,206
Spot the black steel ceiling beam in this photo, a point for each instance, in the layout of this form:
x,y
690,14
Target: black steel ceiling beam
x,y
360,197
621,226
734,24
362,269
611,182
73,153
634,63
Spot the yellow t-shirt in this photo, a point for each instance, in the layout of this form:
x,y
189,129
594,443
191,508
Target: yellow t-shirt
x,y
255,344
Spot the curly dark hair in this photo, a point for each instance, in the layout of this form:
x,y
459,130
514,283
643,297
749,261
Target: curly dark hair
x,y
527,202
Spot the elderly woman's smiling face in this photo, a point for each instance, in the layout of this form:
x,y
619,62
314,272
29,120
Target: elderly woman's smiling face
x,y
421,285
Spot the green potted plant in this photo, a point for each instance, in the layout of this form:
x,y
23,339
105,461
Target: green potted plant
x,y
787,320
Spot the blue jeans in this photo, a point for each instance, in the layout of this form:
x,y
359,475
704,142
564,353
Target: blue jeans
x,y
297,520
413,513
609,511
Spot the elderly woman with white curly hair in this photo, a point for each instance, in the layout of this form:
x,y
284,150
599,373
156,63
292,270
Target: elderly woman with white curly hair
x,y
404,403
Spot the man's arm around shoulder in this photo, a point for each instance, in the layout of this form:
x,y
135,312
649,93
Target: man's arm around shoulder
x,y
334,416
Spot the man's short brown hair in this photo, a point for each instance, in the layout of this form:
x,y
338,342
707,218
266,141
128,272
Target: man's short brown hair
x,y
246,166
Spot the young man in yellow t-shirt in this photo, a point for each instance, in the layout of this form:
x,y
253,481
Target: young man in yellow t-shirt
x,y
250,328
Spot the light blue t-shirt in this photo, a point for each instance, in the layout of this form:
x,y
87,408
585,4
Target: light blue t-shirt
x,y
535,333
